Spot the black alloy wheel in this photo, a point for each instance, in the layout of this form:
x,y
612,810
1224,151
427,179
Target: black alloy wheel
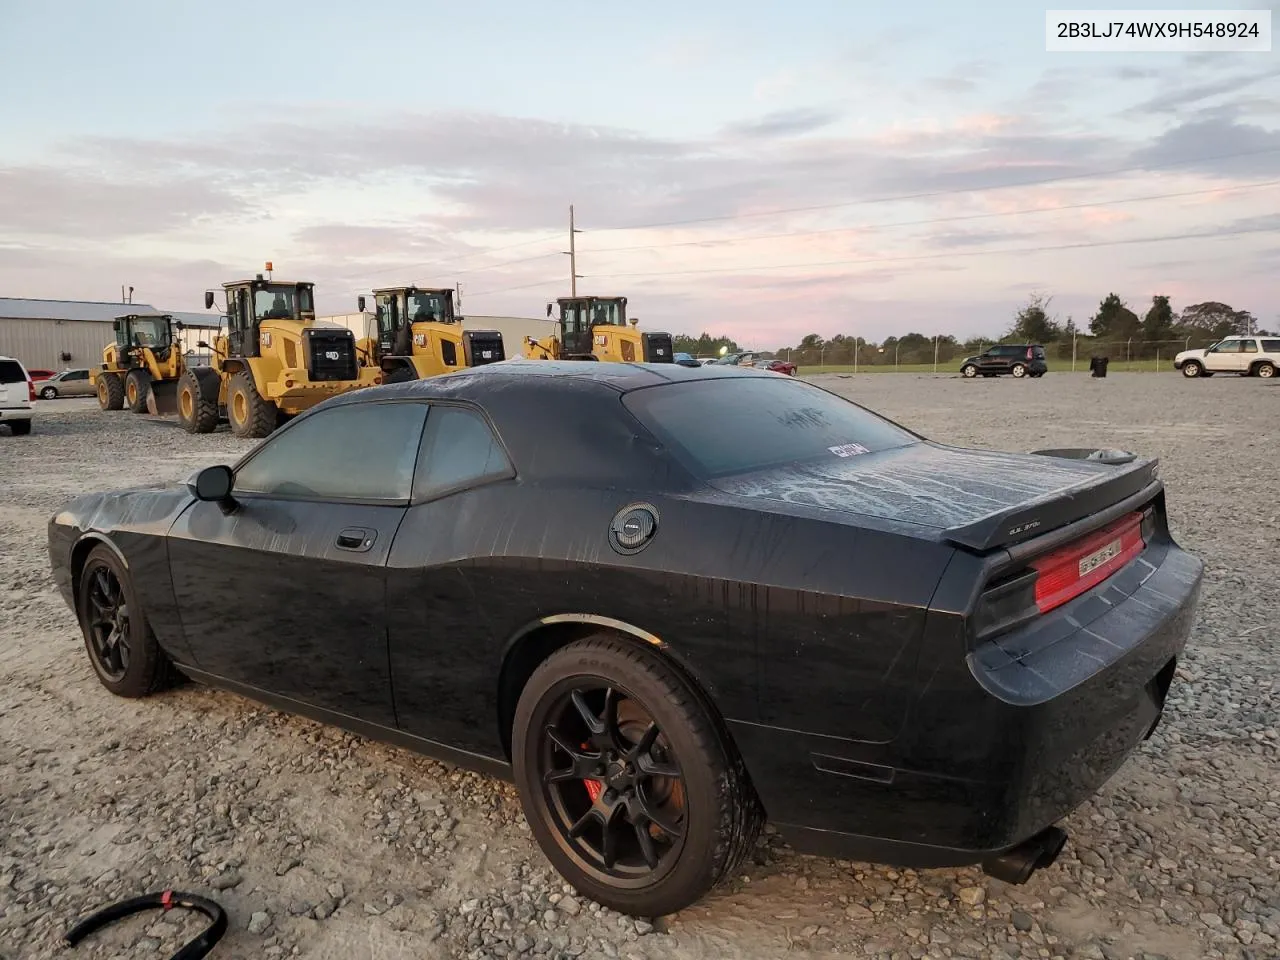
x,y
629,781
107,622
122,649
611,784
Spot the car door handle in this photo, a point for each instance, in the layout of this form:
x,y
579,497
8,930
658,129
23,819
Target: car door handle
x,y
356,539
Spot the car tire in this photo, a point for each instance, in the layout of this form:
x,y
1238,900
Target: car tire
x,y
49,393
1265,369
1018,370
969,371
683,810
1191,369
252,417
110,392
117,637
136,385
20,428
198,400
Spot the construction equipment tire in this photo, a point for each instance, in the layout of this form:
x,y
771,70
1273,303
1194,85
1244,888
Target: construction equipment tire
x,y
136,385
250,414
110,392
198,400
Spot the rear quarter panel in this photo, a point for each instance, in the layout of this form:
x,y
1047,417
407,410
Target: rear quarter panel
x,y
783,619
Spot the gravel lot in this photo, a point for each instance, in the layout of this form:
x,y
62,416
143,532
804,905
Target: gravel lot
x,y
322,844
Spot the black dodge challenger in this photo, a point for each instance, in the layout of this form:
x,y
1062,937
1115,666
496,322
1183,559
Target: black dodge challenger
x,y
667,603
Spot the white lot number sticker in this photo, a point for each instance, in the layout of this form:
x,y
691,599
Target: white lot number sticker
x,y
1096,559
848,450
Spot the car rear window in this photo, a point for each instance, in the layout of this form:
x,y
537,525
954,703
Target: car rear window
x,y
728,426
11,372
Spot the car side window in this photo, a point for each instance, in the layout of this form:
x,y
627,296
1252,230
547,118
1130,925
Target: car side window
x,y
361,451
78,375
1271,346
458,449
1248,346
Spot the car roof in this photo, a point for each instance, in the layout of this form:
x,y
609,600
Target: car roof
x,y
549,376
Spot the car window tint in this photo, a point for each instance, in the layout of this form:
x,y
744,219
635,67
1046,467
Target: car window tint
x,y
720,427
1249,346
364,451
11,372
458,448
1271,346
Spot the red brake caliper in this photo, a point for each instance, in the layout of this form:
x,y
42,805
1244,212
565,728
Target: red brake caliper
x,y
594,787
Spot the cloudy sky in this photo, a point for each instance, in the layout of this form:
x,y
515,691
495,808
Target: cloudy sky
x,y
762,170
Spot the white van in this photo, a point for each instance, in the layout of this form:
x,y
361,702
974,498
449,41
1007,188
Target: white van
x,y
16,395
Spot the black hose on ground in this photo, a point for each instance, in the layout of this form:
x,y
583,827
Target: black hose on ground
x,y
194,950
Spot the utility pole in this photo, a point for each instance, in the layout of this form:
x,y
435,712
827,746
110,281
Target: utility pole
x,y
573,255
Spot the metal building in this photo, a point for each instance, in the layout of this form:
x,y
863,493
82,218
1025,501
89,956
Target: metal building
x,y
57,334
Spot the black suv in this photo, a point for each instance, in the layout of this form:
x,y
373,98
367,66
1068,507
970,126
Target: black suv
x,y
1019,359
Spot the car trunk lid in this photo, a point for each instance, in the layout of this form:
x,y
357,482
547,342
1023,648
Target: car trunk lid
x,y
976,499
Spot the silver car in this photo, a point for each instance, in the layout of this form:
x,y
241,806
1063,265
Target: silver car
x,y
68,383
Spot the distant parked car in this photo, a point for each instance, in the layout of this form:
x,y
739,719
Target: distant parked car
x,y
782,366
738,359
16,393
38,375
68,383
1246,356
1019,359
706,361
685,360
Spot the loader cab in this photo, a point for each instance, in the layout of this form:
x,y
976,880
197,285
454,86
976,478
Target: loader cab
x,y
397,308
579,315
138,331
251,302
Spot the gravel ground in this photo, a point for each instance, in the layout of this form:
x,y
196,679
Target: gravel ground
x,y
321,844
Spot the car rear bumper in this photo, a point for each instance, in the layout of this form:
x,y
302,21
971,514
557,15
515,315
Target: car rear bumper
x,y
15,413
1030,727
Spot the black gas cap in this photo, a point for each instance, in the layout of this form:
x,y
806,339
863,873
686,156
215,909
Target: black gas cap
x,y
633,527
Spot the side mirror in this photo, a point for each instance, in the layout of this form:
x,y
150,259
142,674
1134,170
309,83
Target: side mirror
x,y
360,303
208,299
203,345
115,325
548,309
177,324
212,484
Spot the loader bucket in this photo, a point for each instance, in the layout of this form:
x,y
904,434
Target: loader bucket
x,y
162,398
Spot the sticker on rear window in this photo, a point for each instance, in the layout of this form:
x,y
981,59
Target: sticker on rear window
x,y
848,449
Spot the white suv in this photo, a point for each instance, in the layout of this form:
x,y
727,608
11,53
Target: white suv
x,y
16,394
1246,356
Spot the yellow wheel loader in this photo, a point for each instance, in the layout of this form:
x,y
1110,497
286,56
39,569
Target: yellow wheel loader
x,y
596,328
419,335
141,367
272,363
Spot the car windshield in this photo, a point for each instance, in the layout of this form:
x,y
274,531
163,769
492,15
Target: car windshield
x,y
727,426
145,332
426,307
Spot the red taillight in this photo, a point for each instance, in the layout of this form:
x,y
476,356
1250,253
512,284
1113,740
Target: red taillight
x,y
1070,571
1029,351
31,390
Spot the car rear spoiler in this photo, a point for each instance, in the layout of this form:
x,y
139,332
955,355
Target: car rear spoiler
x,y
1132,483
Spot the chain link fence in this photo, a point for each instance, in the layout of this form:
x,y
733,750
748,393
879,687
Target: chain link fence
x,y
943,356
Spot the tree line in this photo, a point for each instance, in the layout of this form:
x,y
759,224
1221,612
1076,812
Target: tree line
x,y
1114,330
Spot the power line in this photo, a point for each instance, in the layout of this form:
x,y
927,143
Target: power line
x,y
951,255
522,286
508,263
935,220
941,193
465,256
